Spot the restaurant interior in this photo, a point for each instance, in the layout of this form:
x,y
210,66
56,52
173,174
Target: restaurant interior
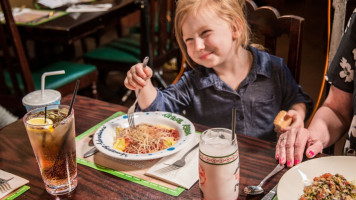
x,y
109,86
112,89
97,45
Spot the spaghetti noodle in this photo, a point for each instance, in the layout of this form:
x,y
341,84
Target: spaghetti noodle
x,y
145,138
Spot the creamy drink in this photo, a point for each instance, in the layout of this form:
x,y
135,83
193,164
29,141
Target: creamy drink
x,y
219,171
53,142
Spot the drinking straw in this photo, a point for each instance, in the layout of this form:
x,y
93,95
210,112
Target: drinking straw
x,y
73,98
66,135
45,114
233,123
44,135
43,77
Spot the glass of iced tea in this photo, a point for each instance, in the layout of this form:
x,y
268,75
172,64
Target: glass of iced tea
x,y
52,139
219,168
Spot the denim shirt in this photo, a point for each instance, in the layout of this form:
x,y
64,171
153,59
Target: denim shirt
x,y
202,97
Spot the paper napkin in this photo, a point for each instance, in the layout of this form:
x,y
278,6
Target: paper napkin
x,y
58,3
185,176
90,8
12,184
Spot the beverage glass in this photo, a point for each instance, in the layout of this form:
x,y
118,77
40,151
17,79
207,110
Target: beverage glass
x,y
219,168
53,143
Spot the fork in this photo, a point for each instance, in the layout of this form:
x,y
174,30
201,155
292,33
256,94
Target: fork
x,y
4,186
181,162
130,112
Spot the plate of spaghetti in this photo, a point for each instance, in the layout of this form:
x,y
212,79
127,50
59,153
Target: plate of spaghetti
x,y
156,135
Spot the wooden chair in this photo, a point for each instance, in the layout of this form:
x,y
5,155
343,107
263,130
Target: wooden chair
x,y
156,39
267,26
16,77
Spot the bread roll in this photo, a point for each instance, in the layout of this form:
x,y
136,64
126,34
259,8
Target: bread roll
x,y
281,121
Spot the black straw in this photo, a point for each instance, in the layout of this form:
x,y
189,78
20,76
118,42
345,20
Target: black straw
x,y
44,135
233,124
45,115
73,98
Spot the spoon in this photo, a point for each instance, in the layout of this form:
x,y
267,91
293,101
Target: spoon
x,y
253,190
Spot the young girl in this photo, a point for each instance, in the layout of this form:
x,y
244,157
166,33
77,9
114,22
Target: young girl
x,y
228,72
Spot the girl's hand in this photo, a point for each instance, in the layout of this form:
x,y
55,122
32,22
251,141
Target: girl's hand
x,y
137,76
292,143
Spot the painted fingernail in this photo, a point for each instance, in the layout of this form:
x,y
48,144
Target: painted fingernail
x,y
281,160
289,163
296,161
277,156
311,153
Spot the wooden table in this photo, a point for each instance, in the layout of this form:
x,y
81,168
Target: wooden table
x,y
74,26
16,156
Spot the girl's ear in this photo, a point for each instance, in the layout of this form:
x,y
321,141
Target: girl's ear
x,y
236,29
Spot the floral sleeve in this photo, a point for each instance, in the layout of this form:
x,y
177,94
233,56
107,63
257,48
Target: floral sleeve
x,y
341,70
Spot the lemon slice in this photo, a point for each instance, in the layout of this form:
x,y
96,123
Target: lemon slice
x,y
40,121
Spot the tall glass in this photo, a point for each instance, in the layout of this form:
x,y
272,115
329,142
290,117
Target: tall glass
x,y
53,143
219,168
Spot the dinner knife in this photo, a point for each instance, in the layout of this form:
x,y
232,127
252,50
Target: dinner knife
x,y
270,194
92,151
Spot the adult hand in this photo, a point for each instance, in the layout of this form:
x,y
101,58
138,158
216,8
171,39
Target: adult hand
x,y
137,76
292,143
297,121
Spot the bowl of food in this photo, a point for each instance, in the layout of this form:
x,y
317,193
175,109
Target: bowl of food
x,y
156,135
303,180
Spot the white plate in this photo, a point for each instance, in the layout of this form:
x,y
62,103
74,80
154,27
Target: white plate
x,y
295,179
104,136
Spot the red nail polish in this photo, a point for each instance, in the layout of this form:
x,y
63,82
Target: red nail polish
x,y
288,163
311,153
277,156
296,161
281,160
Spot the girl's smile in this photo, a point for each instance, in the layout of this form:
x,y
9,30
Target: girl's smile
x,y
205,56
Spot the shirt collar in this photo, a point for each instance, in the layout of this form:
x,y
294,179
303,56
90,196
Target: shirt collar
x,y
261,62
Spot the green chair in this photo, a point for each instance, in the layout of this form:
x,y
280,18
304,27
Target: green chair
x,y
155,39
17,78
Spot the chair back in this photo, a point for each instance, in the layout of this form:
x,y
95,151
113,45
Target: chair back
x,y
157,22
11,90
16,77
10,39
267,26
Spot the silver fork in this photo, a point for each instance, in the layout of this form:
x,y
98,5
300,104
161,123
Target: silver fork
x,y
181,162
4,185
177,164
130,112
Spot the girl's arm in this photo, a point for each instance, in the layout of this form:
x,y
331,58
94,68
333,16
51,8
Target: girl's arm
x,y
147,95
301,109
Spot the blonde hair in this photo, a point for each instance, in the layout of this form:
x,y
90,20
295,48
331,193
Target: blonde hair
x,y
232,11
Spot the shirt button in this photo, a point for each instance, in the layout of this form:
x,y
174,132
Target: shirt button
x,y
241,117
